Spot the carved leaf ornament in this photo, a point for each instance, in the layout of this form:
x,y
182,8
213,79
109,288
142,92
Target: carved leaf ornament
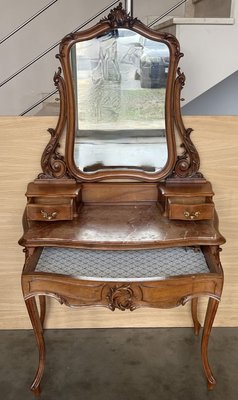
x,y
121,297
52,162
118,17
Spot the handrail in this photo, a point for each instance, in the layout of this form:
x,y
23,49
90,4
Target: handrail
x,y
56,44
129,7
149,25
166,13
27,21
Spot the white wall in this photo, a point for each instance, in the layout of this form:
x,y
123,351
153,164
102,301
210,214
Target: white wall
x,y
208,8
209,57
47,29
209,47
214,8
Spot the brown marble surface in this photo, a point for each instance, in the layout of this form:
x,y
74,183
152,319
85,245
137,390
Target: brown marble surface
x,y
127,226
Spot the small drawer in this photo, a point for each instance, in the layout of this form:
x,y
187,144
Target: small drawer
x,y
52,212
191,212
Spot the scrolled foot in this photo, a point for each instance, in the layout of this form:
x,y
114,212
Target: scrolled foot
x,y
36,390
211,382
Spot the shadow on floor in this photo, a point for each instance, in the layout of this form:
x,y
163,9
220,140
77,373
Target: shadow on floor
x,y
119,364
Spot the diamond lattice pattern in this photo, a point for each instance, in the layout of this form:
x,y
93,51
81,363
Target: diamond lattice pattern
x,y
122,265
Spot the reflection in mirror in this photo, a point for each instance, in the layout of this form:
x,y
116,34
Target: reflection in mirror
x,y
120,81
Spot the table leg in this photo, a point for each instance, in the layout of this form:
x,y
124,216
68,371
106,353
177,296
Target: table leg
x,y
194,308
36,324
42,300
210,316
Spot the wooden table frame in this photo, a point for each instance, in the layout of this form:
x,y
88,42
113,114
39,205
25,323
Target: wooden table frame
x,y
163,293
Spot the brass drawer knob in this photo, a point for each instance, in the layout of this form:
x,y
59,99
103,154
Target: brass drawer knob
x,y
48,216
192,215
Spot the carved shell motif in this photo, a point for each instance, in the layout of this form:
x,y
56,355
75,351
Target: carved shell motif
x,y
121,297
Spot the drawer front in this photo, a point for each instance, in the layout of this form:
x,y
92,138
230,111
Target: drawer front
x,y
52,212
191,212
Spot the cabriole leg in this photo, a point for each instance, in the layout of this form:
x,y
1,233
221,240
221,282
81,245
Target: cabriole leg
x,y
194,309
42,301
36,324
210,316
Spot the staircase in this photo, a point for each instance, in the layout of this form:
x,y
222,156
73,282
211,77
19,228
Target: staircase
x,y
207,31
209,45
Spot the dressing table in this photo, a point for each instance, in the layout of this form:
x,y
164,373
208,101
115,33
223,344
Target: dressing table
x,y
120,216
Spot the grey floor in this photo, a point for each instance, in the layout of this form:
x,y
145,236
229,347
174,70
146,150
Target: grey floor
x,y
119,364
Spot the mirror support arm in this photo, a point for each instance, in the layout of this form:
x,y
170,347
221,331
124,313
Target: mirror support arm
x,y
129,7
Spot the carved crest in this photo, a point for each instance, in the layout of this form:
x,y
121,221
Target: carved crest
x,y
121,297
118,17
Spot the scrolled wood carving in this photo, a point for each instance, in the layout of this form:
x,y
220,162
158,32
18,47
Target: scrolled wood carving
x,y
28,254
215,251
172,39
185,299
188,163
121,297
118,17
52,162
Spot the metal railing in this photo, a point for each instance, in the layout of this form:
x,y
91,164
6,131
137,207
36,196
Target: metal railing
x,y
129,8
166,13
37,103
27,21
56,44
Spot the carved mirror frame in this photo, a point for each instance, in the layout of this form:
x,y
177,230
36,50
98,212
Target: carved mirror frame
x,y
178,167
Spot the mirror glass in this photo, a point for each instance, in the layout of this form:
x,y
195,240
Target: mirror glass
x,y
120,81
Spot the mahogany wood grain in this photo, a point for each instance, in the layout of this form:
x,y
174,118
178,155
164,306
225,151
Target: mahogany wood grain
x,y
194,310
119,192
122,227
42,301
165,292
49,212
56,188
210,316
191,211
186,189
37,327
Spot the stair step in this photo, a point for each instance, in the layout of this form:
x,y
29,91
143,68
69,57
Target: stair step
x,y
194,21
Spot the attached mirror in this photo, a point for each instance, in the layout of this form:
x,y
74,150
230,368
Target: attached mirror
x,y
119,83
120,97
